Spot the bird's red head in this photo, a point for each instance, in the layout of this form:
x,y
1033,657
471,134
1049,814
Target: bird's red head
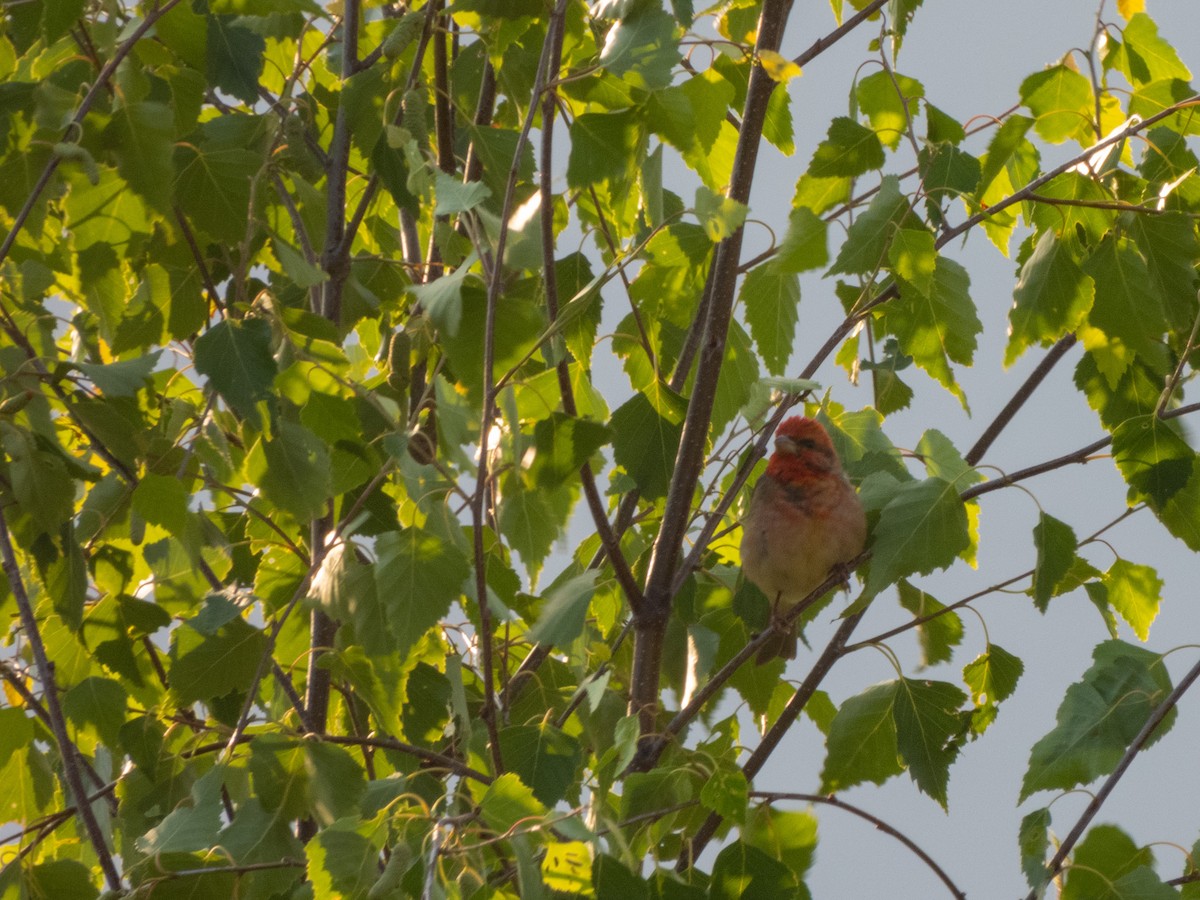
x,y
801,446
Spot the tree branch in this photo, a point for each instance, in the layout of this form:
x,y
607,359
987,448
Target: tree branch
x,y
664,559
825,662
1056,862
67,751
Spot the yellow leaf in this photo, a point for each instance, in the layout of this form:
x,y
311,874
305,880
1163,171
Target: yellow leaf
x,y
10,694
780,68
1127,8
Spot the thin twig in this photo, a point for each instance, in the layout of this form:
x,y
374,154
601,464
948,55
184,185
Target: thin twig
x,y
880,825
1024,392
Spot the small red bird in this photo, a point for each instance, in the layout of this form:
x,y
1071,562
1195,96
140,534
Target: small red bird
x,y
804,519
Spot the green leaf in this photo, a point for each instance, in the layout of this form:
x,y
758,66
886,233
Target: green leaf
x,y
191,828
442,298
532,519
805,244
790,837
690,116
39,479
1098,718
1051,298
868,237
121,379
1126,308
772,301
543,757
507,801
727,793
236,358
1169,246
297,476
849,150
342,861
1107,863
565,613
889,101
418,576
741,871
564,445
141,136
1009,141
927,723
646,439
777,124
642,47
205,667
1135,591
1034,842
613,881
1154,460
921,528
212,188
235,58
456,196
602,145
99,703
1061,102
862,743
299,270
939,327
991,677
940,635
1055,542
721,216
162,500
913,258
1143,56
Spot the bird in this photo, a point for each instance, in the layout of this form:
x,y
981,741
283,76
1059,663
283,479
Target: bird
x,y
804,520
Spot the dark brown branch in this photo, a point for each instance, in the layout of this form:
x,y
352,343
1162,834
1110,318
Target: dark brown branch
x,y
880,825
820,45
665,556
1082,455
67,751
1024,392
1068,844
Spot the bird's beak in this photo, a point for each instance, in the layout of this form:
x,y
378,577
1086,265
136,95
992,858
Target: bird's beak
x,y
785,444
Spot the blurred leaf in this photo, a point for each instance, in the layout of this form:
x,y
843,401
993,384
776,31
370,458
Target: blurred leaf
x,y
741,870
646,440
508,801
1107,863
